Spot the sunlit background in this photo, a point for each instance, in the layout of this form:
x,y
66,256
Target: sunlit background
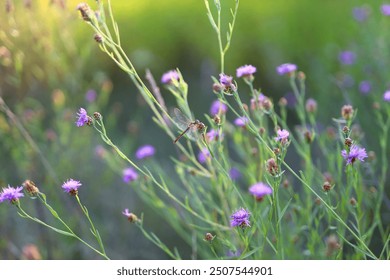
x,y
50,66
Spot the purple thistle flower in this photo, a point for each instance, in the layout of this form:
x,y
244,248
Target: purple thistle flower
x,y
282,135
355,152
234,173
385,9
82,117
218,107
167,77
90,95
347,57
11,194
246,70
386,96
241,121
129,175
214,135
203,155
360,13
145,151
225,80
71,186
286,68
240,218
259,190
365,87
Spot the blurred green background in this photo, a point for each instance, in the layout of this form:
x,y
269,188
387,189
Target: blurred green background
x,y
49,61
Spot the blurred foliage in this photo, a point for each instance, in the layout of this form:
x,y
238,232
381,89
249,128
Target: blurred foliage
x,y
49,60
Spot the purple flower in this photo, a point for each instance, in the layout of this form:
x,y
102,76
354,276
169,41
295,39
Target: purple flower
x,y
213,135
90,95
286,68
360,13
217,107
225,80
130,216
246,70
240,218
386,96
282,135
365,87
234,173
311,105
169,76
129,175
385,9
145,151
241,121
11,194
82,117
347,57
355,152
71,186
203,155
259,190
259,104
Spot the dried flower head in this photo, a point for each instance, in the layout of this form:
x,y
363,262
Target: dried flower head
x,y
259,190
311,105
71,187
332,245
353,201
30,187
326,186
272,167
98,38
85,11
11,194
240,218
209,237
347,112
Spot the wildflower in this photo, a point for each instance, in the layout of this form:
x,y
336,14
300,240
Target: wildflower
x,y
257,104
272,167
246,71
30,187
360,13
259,190
332,244
311,105
145,151
286,68
240,218
132,218
347,112
386,96
11,194
217,107
348,142
213,135
241,121
234,173
203,155
85,11
169,76
209,237
385,9
326,186
355,152
90,95
71,186
226,82
365,87
347,57
282,102
98,38
82,117
129,175
282,135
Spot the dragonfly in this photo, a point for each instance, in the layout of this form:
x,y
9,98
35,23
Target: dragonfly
x,y
191,128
